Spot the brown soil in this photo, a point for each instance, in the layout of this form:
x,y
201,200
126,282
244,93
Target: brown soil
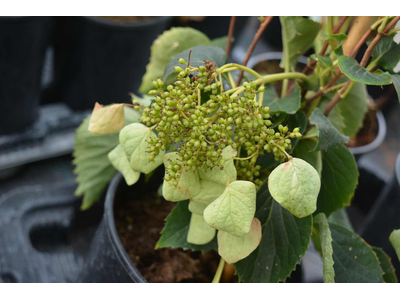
x,y
139,223
126,19
368,132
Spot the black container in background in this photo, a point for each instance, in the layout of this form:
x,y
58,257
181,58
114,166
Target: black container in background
x,y
99,60
384,218
23,43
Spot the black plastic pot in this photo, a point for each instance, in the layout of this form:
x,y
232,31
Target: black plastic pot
x,y
359,151
100,60
23,43
384,218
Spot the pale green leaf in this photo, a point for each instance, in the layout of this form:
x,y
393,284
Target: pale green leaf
x,y
234,248
289,104
324,60
175,232
322,226
210,190
234,210
328,135
339,179
105,120
304,151
298,35
93,168
200,233
350,67
355,262
396,83
165,47
295,186
188,183
284,241
395,240
119,160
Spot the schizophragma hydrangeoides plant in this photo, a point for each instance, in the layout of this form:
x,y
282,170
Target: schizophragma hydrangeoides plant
x,y
253,174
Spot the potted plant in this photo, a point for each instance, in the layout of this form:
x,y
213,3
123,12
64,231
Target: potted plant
x,y
101,58
256,166
24,41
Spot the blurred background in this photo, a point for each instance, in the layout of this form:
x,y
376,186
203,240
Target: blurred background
x,y
53,70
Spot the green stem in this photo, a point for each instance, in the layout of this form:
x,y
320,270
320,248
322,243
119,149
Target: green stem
x,y
393,31
232,67
283,150
286,61
217,276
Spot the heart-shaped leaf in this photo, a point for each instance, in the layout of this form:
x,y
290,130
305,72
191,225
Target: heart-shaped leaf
x,y
119,160
234,248
295,185
200,233
210,190
188,183
289,104
234,210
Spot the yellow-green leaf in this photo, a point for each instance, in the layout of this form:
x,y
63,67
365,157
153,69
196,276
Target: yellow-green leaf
x,y
105,120
200,233
395,240
119,160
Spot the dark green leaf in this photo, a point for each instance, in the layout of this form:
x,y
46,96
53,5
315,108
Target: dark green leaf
x,y
355,262
289,104
339,180
349,113
168,44
297,120
93,168
350,67
389,274
298,35
340,217
176,229
197,58
325,238
328,135
387,51
284,241
325,60
304,151
396,83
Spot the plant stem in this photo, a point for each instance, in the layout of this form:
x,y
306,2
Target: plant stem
x,y
218,273
393,31
230,34
286,62
327,86
283,150
337,98
232,67
253,44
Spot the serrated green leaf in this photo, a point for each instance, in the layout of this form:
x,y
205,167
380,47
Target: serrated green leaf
x,y
298,35
350,67
388,271
165,47
200,233
188,183
284,241
234,248
395,240
289,104
133,139
328,135
304,151
197,58
322,226
174,234
295,186
339,180
349,113
355,262
234,210
210,190
396,83
93,168
119,160
387,52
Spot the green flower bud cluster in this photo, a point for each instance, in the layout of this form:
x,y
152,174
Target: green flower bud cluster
x,y
204,127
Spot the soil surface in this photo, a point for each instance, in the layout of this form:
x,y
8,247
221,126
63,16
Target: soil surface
x,y
368,132
139,221
126,19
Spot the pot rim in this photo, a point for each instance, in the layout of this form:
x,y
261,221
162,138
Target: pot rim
x,y
126,26
116,243
377,141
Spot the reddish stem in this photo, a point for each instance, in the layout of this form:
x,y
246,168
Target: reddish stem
x,y
230,34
